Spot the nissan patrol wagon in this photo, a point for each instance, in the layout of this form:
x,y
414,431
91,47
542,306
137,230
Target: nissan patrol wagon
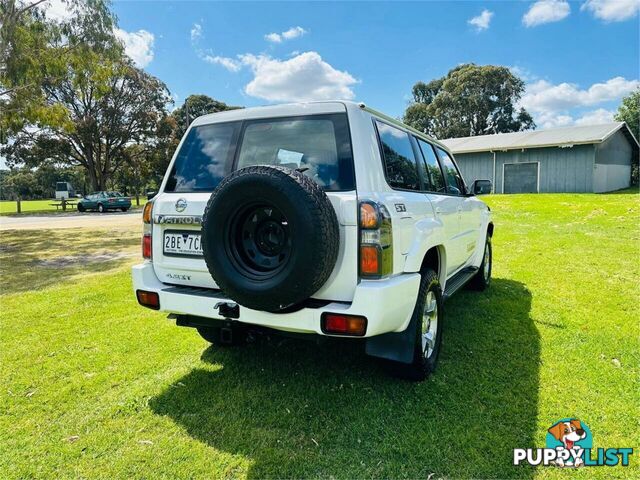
x,y
325,218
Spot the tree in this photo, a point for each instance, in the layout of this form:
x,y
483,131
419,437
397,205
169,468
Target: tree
x,y
34,50
89,110
470,100
19,184
102,102
171,129
106,109
629,112
136,172
196,105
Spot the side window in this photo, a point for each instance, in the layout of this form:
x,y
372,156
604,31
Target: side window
x,y
431,168
455,185
399,160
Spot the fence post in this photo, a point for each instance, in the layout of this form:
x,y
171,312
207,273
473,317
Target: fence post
x,y
18,206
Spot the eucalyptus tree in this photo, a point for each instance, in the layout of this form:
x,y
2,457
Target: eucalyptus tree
x,y
470,100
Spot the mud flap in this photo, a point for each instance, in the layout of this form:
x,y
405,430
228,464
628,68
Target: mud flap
x,y
396,346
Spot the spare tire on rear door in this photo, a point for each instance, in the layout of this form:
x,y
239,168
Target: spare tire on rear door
x,y
270,237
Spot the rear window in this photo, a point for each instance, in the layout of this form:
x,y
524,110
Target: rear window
x,y
318,145
204,159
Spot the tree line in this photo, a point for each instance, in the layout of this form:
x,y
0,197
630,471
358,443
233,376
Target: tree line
x,y
74,107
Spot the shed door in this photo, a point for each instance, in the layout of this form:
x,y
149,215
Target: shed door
x,y
520,178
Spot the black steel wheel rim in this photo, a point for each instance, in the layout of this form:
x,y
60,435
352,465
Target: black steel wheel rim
x,y
258,240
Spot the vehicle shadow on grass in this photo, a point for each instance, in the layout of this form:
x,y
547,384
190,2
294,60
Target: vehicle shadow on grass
x,y
296,409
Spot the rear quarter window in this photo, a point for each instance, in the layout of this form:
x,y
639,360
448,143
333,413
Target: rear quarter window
x,y
398,156
455,184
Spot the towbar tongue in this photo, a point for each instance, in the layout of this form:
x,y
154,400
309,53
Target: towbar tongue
x,y
228,309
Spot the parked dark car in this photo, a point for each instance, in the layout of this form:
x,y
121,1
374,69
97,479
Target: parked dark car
x,y
103,201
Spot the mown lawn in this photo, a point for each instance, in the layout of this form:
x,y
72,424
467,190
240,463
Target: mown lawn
x,y
9,207
93,386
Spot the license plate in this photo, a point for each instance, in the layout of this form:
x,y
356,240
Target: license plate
x,y
182,243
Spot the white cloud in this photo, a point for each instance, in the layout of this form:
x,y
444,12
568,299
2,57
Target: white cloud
x,y
596,117
551,120
301,78
56,10
552,105
482,21
523,73
612,10
544,96
137,45
546,11
273,37
229,63
196,32
293,32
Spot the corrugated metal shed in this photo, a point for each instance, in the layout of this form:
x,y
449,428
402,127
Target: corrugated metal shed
x,y
594,158
557,137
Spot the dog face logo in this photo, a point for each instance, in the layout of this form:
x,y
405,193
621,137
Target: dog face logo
x,y
568,432
572,435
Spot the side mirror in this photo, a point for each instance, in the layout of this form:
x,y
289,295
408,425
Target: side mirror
x,y
150,195
482,187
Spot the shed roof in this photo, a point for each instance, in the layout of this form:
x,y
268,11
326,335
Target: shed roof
x,y
554,137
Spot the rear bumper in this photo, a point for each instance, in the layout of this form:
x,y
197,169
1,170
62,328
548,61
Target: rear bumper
x,y
387,304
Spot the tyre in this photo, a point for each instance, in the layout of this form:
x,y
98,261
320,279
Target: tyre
x,y
81,208
124,209
233,336
427,319
270,237
101,208
482,279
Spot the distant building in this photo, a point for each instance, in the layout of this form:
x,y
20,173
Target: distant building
x,y
594,158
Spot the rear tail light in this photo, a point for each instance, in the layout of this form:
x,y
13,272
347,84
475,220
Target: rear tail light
x,y
338,324
376,241
146,213
148,299
146,246
147,229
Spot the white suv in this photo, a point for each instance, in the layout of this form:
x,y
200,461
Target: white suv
x,y
317,218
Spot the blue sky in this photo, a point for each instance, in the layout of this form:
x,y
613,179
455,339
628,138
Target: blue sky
x,y
578,58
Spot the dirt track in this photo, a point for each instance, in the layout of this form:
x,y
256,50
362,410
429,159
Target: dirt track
x,y
71,220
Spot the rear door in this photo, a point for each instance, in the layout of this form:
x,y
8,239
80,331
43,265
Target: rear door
x,y
407,203
318,145
470,214
446,204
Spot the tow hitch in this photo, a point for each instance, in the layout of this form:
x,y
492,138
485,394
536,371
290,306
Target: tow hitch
x,y
228,309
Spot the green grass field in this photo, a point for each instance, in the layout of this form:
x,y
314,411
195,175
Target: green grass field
x,y
95,387
8,207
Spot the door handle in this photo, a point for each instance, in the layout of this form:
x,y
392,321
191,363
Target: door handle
x,y
459,208
438,210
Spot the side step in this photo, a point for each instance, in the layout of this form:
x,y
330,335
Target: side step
x,y
459,280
